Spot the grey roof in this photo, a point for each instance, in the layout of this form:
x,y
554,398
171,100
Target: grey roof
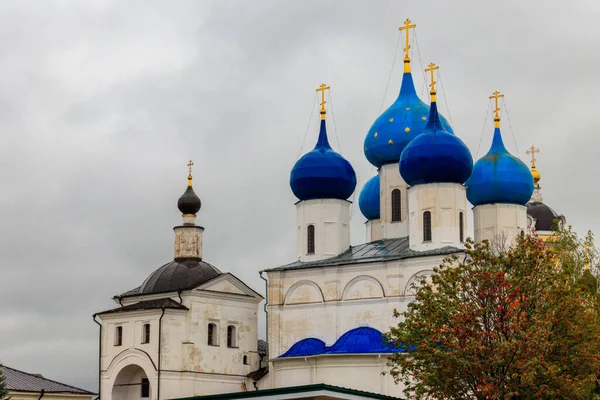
x,y
176,275
19,381
379,250
147,305
544,216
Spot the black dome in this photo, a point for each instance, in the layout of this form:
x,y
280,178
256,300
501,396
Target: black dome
x,y
189,202
179,275
543,215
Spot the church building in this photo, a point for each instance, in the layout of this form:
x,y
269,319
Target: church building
x,y
190,330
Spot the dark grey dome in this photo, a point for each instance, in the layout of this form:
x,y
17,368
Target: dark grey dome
x,y
544,216
189,203
179,275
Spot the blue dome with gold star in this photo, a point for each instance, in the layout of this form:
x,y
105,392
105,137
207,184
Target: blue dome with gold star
x,y
499,177
398,125
436,155
322,173
368,201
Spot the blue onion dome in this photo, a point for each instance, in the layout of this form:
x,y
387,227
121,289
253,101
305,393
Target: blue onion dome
x,y
305,347
189,203
499,177
398,125
368,201
322,173
361,340
436,155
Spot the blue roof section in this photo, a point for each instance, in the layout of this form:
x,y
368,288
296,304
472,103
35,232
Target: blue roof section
x,y
398,125
435,156
305,347
369,199
322,173
361,340
499,177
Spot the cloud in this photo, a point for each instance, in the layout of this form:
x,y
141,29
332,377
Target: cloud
x,y
103,103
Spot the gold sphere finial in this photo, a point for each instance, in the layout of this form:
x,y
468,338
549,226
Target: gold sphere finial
x,y
190,165
532,151
322,89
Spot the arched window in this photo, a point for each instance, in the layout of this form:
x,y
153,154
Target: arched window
x,y
231,336
427,226
212,335
146,333
245,360
396,206
461,227
119,336
145,388
310,239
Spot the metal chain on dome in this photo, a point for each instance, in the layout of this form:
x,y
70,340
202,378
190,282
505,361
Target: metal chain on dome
x,y
387,86
424,87
312,111
510,127
483,130
334,124
445,101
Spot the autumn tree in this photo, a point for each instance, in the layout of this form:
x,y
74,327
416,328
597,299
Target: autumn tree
x,y
3,389
522,323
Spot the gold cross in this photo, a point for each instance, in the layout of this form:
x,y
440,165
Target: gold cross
x,y
496,96
432,67
190,165
406,27
322,89
532,151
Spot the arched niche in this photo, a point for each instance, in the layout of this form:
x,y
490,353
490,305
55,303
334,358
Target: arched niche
x,y
408,289
363,287
304,292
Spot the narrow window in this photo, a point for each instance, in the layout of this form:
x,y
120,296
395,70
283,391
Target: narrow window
x,y
461,227
145,388
245,358
310,237
427,226
119,336
396,203
231,336
212,335
146,333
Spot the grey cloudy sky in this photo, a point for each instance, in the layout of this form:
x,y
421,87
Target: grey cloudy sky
x,y
102,103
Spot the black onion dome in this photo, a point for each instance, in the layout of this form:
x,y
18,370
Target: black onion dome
x,y
189,202
544,216
179,275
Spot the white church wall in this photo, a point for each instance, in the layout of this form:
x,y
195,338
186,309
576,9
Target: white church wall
x,y
331,221
390,179
326,302
445,202
359,372
499,222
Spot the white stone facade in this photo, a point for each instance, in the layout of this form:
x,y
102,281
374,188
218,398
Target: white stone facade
x,y
390,180
446,204
187,365
330,222
499,223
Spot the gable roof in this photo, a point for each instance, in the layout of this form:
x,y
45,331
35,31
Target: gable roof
x,y
247,290
379,250
147,305
19,381
316,389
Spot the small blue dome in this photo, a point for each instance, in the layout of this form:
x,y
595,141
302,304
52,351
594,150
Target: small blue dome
x,y
305,347
499,177
322,173
361,340
398,125
368,201
435,156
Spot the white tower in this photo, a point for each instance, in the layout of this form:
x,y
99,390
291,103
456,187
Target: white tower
x,y
323,180
499,188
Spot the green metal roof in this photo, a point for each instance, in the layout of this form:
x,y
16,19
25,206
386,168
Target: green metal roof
x,y
290,390
379,250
